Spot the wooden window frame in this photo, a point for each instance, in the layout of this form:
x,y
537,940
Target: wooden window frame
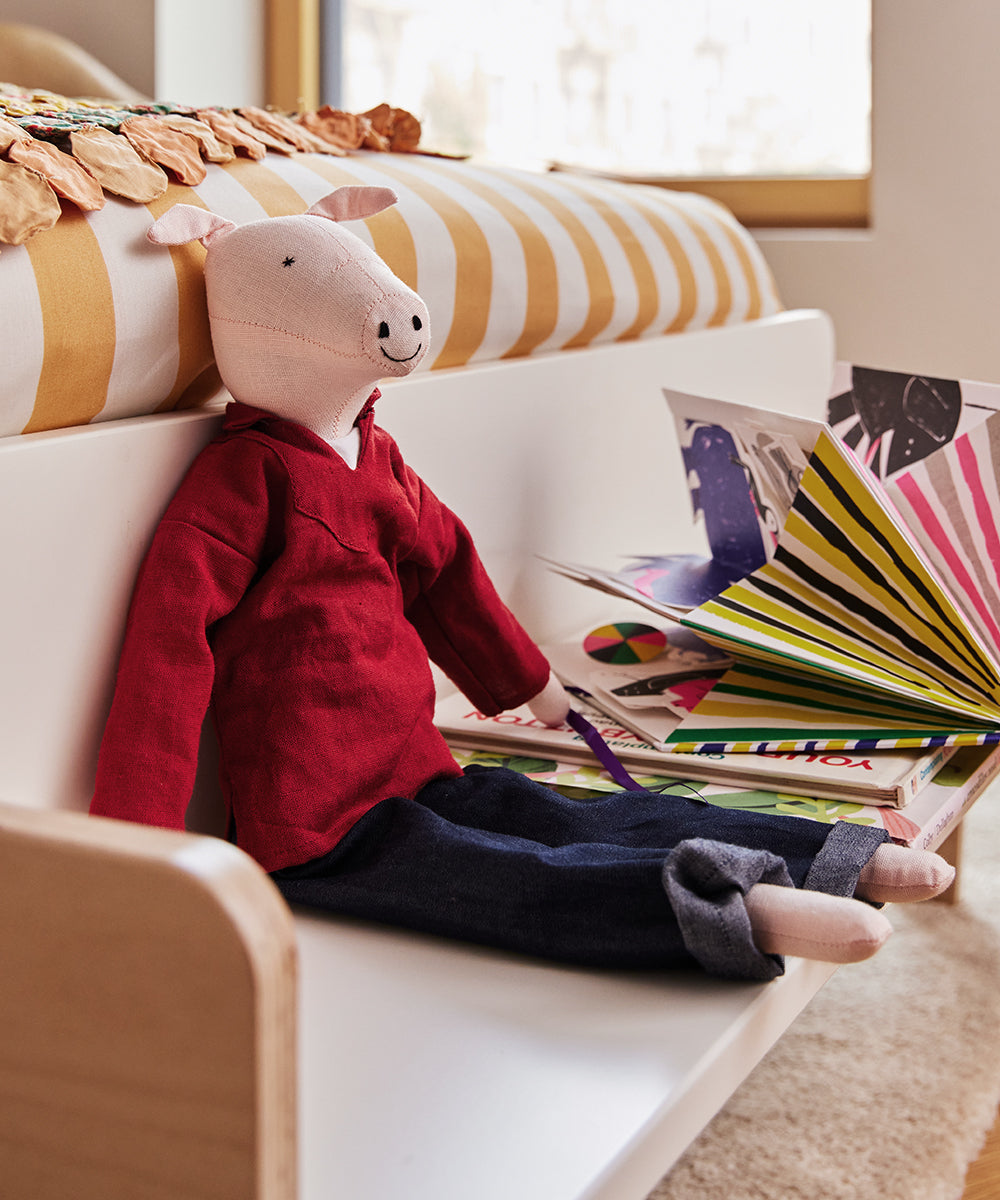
x,y
758,202
292,75
292,54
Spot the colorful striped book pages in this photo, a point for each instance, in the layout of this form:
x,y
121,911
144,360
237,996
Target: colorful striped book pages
x,y
951,504
851,636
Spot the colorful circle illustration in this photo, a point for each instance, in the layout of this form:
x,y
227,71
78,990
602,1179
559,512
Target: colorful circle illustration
x,y
625,642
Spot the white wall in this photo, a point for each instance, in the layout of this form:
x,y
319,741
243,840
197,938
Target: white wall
x,y
190,51
920,290
210,51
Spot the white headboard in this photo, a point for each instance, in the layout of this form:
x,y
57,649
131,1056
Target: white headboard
x,y
571,455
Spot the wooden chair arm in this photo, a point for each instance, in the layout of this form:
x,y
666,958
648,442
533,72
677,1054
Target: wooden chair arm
x,y
148,1006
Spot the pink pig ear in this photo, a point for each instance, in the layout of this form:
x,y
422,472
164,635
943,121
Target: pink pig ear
x,y
185,223
353,203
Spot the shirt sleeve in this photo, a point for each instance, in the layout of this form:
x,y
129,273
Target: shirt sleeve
x,y
201,561
467,629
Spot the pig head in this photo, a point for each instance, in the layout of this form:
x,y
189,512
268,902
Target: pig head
x,y
305,317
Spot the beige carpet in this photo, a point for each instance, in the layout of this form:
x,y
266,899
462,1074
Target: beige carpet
x,y
887,1084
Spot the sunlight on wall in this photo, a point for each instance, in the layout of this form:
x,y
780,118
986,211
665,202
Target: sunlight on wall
x,y
682,87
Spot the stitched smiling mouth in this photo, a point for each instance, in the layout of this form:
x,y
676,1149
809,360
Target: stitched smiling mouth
x,y
408,358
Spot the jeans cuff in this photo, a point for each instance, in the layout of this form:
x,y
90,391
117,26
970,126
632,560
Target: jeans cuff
x,y
706,883
836,868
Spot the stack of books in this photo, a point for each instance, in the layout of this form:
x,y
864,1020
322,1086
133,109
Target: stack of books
x,y
836,655
917,796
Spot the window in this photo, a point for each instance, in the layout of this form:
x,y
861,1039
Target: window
x,y
762,102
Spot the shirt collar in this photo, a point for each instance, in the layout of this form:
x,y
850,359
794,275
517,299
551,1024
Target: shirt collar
x,y
241,416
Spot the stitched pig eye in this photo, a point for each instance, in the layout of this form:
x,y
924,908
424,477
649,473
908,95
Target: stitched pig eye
x,y
288,261
417,323
383,330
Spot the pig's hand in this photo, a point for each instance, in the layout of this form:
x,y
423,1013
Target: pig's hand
x,y
551,705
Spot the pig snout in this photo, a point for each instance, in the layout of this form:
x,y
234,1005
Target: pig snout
x,y
389,340
397,333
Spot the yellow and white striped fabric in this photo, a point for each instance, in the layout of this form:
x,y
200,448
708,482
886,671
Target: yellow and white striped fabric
x,y
99,324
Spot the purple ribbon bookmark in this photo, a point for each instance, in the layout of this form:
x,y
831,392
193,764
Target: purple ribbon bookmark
x,y
603,752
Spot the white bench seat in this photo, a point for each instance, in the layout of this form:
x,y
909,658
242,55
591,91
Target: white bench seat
x,y
422,1069
499,1077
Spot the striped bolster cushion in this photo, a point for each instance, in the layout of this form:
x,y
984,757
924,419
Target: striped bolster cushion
x,y
100,324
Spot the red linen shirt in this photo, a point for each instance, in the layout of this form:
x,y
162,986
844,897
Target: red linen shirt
x,y
302,598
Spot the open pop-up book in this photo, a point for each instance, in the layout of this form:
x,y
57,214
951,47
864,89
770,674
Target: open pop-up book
x,y
870,613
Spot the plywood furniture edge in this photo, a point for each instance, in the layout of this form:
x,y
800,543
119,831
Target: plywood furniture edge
x,y
951,851
148,1003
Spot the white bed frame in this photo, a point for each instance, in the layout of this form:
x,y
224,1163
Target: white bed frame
x,y
169,1029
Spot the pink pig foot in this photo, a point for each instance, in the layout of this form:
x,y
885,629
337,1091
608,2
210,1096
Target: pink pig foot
x,y
814,925
897,874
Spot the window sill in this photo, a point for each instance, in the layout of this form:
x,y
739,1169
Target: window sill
x,y
786,202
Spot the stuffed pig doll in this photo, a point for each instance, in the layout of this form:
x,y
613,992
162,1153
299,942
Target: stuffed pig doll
x,y
299,583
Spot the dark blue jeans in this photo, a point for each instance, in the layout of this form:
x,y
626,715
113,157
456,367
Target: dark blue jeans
x,y
634,880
